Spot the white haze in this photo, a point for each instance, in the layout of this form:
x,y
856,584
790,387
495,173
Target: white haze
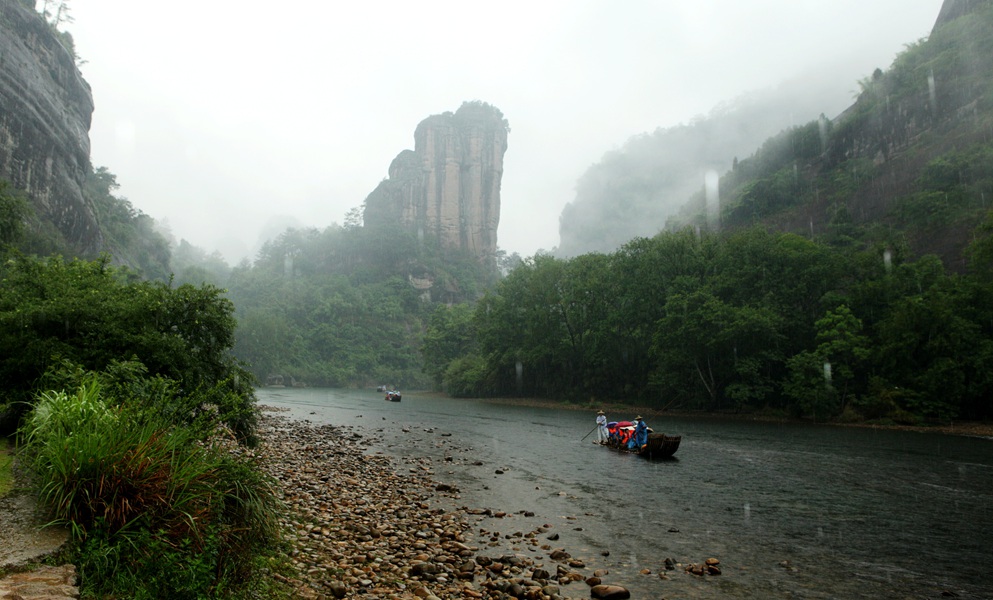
x,y
225,120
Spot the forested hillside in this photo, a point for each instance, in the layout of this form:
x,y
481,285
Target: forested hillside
x,y
841,271
910,163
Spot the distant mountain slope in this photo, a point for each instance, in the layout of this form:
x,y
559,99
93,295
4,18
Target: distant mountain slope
x,y
909,165
633,190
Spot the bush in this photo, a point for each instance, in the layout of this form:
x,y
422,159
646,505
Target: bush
x,y
154,511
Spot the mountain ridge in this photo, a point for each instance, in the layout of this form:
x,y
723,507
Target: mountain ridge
x,y
659,181
906,165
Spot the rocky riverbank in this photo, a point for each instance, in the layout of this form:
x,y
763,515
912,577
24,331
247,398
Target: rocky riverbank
x,y
362,524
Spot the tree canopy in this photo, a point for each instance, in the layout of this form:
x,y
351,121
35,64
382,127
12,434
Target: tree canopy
x,y
749,320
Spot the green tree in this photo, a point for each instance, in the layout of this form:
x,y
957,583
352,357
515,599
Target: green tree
x,y
822,380
715,355
450,335
980,251
929,347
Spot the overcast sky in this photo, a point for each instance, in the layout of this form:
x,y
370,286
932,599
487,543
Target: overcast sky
x,y
219,118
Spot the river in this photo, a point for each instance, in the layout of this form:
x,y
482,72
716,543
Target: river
x,y
790,510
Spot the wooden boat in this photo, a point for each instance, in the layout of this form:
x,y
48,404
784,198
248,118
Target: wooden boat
x,y
393,396
659,445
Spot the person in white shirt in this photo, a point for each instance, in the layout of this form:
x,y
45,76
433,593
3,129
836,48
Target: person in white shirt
x,y
601,430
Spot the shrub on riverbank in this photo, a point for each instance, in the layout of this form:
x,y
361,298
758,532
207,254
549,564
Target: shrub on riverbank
x,y
55,312
156,509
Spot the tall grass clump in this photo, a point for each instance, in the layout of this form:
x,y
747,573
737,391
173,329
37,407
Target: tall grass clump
x,y
155,510
6,469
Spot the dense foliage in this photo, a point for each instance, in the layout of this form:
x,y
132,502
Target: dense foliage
x,y
90,314
744,321
128,405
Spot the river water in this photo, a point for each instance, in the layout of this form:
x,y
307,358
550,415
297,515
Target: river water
x,y
791,511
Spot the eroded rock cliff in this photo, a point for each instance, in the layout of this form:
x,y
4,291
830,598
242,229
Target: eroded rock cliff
x,y
953,9
449,185
45,112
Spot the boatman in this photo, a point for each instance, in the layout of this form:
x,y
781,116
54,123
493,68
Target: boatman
x,y
601,429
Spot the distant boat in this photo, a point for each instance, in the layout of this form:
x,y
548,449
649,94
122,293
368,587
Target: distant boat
x,y
382,388
393,396
658,445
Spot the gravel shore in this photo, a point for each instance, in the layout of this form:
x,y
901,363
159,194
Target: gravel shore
x,y
365,525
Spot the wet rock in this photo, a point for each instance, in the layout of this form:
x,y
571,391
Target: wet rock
x,y
516,590
609,592
48,582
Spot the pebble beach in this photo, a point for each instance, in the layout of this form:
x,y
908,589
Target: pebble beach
x,y
362,524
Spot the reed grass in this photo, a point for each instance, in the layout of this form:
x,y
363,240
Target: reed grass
x,y
6,468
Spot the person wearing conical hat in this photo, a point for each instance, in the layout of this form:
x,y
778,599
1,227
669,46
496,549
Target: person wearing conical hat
x,y
601,429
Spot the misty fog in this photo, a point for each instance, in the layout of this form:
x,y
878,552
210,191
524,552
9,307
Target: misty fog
x,y
226,123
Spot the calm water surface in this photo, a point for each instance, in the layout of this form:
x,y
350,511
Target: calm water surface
x,y
791,511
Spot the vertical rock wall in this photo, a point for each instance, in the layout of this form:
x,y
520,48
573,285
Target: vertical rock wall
x,y
449,185
45,112
953,9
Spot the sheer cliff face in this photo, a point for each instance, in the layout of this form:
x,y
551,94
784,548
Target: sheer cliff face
x,y
45,111
449,185
953,9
